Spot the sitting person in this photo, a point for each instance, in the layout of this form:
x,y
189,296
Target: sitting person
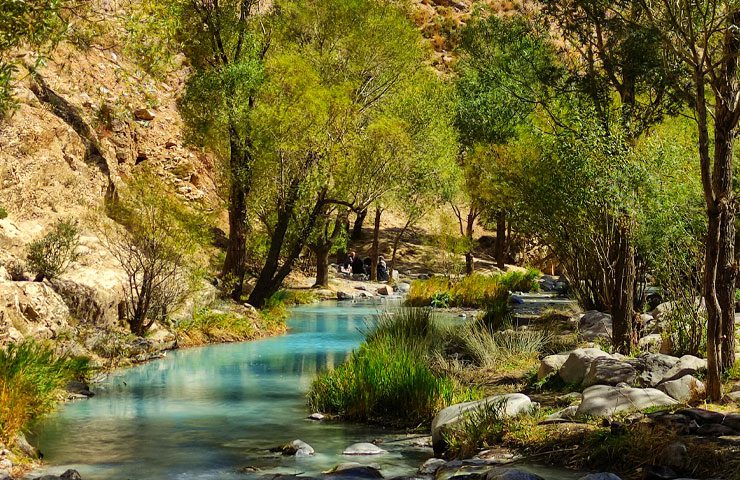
x,y
346,267
382,270
367,264
358,267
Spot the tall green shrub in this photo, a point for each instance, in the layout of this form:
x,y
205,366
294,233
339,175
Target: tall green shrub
x,y
51,255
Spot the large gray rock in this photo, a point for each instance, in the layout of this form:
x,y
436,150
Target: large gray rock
x,y
298,448
650,343
566,415
577,364
609,371
686,365
345,296
363,449
605,401
685,389
594,324
653,367
551,364
508,405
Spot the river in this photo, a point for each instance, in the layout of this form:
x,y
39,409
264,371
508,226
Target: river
x,y
205,413
209,412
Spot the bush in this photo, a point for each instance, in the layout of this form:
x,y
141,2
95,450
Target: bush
x,y
16,270
473,291
686,328
51,255
32,378
389,378
155,241
3,212
482,347
208,326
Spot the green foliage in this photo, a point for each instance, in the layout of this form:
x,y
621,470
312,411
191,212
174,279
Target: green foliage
x,y
389,378
156,241
207,326
32,378
482,346
292,297
440,300
37,24
473,291
51,255
3,212
497,313
479,428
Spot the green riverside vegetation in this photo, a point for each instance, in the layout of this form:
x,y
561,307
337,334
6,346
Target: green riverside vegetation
x,y
389,378
474,291
32,379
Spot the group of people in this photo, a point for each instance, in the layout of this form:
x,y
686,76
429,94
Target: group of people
x,y
357,266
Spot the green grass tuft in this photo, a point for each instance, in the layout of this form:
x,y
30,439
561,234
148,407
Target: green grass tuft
x,y
473,291
32,379
389,378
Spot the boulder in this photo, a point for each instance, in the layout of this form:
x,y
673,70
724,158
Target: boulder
x,y
67,475
594,324
385,290
145,114
316,416
609,371
345,296
31,309
507,405
732,397
431,466
363,449
685,389
686,365
577,364
354,470
651,343
404,287
298,448
605,401
653,367
674,455
551,364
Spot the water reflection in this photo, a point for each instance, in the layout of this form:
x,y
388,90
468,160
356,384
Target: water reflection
x,y
205,412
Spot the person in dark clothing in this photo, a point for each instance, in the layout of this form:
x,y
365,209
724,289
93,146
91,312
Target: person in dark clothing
x,y
367,263
358,267
347,265
382,270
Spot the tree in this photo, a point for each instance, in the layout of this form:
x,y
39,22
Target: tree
x,y
329,75
154,240
51,255
703,39
225,42
607,77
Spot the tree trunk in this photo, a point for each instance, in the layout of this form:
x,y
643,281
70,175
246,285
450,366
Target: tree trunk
x,y
234,268
322,265
469,230
376,245
357,225
501,239
396,241
623,291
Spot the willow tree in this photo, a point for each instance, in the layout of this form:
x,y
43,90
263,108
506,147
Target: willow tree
x,y
598,75
225,43
703,38
331,66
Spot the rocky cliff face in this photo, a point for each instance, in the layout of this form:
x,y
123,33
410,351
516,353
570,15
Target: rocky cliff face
x,y
88,118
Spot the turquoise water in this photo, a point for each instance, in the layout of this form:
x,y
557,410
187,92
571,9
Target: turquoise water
x,y
205,413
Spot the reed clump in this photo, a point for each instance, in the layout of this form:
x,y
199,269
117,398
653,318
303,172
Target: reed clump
x,y
32,381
